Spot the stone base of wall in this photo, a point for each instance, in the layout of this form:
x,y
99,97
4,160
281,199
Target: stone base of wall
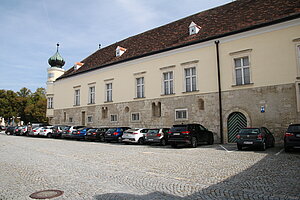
x,y
279,103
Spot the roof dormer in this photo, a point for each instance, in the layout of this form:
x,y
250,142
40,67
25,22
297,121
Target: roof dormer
x,y
194,28
77,65
120,51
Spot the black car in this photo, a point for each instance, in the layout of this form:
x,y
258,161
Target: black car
x,y
292,137
96,134
190,134
255,137
10,130
2,128
115,134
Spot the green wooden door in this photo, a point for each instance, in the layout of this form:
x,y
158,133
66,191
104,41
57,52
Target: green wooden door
x,y
235,122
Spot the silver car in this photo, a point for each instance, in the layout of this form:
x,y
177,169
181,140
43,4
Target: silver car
x,y
135,135
157,135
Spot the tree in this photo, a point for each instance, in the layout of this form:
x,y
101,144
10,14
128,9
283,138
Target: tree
x,y
24,92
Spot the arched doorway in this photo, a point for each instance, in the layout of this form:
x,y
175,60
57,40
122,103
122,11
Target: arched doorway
x,y
235,122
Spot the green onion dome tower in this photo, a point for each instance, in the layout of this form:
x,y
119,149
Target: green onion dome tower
x,y
56,62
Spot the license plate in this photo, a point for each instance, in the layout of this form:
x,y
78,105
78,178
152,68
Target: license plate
x,y
150,139
108,134
176,134
248,142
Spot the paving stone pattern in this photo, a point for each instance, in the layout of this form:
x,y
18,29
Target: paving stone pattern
x,y
92,170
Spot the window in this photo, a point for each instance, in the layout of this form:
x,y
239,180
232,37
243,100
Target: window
x,y
70,119
77,98
298,95
140,87
135,117
90,119
181,114
50,75
108,87
92,95
50,102
168,83
298,58
65,116
190,79
113,118
242,71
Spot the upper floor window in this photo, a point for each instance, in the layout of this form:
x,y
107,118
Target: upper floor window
x,y
190,79
168,83
77,97
50,102
242,70
92,95
298,58
140,91
108,88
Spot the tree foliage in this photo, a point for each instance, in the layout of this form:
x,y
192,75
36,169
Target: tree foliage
x,y
30,107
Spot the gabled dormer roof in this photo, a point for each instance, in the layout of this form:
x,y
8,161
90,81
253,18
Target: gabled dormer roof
x,y
232,18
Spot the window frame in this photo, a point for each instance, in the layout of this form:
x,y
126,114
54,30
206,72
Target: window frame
x,y
92,95
138,116
191,76
50,103
140,87
112,116
90,119
181,110
108,92
169,82
77,97
242,68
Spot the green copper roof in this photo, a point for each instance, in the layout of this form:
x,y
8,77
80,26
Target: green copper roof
x,y
56,60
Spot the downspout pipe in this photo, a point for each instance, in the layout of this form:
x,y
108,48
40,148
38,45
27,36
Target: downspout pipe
x,y
220,93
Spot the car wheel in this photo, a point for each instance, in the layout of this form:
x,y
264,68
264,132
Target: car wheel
x,y
240,147
49,135
163,142
194,142
174,145
102,139
263,146
141,141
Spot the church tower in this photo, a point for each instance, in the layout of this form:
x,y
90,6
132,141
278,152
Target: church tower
x,y
55,70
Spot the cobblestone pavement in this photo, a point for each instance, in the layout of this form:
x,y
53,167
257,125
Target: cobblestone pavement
x,y
92,170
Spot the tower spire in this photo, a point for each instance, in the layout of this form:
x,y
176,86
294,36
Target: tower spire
x,y
57,45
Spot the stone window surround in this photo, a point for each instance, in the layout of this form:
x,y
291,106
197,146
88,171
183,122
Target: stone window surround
x,y
180,110
241,54
113,118
138,114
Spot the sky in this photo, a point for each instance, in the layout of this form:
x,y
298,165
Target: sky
x,y
30,30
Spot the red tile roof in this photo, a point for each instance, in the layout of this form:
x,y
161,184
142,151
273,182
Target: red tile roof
x,y
231,18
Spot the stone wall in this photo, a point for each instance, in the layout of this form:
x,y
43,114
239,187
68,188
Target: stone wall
x,y
279,103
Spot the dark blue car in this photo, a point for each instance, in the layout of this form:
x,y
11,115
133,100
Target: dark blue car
x,y
115,134
79,134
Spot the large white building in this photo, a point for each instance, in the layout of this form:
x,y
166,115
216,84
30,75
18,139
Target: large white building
x,y
229,67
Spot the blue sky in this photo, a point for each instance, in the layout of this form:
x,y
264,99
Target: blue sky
x,y
30,30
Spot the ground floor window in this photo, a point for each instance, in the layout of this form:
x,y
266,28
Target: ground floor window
x,y
113,118
181,114
90,119
135,116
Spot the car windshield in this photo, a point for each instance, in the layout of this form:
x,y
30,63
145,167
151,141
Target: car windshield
x,y
93,130
249,131
67,128
294,128
153,131
178,128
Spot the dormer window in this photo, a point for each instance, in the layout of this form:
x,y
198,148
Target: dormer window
x,y
120,51
77,65
194,28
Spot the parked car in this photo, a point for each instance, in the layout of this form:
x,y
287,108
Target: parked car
x,y
136,135
58,130
158,135
67,133
190,134
10,130
46,131
80,133
18,130
292,137
115,134
35,131
96,134
255,137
